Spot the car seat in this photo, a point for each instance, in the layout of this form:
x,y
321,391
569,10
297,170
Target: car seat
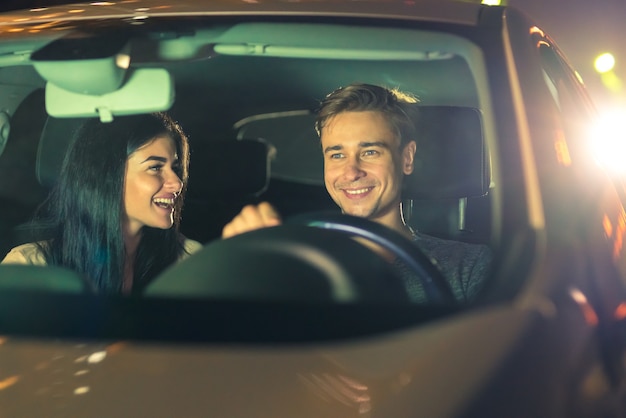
x,y
447,193
224,170
20,192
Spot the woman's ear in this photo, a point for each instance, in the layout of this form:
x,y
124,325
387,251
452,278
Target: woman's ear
x,y
408,157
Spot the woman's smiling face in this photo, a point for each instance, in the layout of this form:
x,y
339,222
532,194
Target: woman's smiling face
x,y
151,185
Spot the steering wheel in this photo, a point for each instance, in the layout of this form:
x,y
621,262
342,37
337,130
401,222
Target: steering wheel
x,y
310,258
435,285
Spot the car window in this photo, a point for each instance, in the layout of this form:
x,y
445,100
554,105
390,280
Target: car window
x,y
246,92
302,209
220,82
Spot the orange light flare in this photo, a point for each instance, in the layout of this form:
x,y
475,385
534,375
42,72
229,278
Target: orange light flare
x,y
618,239
608,226
588,312
561,149
620,312
535,29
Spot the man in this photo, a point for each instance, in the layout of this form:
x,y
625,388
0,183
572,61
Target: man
x,y
368,141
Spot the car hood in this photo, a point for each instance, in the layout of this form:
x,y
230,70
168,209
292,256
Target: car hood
x,y
382,374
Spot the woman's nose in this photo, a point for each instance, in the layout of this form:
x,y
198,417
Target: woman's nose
x,y
173,182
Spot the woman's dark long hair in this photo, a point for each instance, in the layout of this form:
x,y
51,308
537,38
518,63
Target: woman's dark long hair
x,y
86,206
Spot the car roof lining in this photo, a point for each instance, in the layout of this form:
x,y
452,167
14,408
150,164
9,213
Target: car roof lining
x,y
401,49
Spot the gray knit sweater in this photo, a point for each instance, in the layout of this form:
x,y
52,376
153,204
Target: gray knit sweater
x,y
464,265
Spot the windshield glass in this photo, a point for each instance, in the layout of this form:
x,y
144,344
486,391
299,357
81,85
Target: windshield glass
x,y
241,105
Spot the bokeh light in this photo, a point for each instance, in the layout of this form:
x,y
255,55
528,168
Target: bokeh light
x,y
604,62
608,141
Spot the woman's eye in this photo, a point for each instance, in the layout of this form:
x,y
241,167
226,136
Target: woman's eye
x,y
155,167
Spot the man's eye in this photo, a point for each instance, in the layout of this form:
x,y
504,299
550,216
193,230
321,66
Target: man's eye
x,y
370,152
336,156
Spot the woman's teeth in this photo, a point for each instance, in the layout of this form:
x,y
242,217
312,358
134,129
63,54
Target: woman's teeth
x,y
164,202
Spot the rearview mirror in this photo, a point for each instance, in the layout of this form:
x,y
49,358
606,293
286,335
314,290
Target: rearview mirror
x,y
146,90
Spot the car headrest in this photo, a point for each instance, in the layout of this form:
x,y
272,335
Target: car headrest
x,y
54,142
227,168
451,160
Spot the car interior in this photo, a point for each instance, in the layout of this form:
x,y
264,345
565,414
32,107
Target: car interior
x,y
246,94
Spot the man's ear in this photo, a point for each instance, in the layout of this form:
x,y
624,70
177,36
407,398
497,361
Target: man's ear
x,y
408,157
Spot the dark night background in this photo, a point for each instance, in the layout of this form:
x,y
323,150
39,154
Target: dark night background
x,y
583,29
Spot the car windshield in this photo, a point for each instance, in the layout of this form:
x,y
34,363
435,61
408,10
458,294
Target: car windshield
x,y
246,90
303,208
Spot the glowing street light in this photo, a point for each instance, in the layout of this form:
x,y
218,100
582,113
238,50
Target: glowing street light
x,y
604,63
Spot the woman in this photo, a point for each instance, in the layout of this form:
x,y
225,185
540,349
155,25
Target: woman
x,y
116,207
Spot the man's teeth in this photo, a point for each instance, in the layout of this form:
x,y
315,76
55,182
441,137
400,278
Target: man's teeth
x,y
358,191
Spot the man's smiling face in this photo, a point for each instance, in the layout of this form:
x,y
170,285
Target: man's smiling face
x,y
364,165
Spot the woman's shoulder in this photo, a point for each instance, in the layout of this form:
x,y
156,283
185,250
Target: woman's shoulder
x,y
190,247
25,254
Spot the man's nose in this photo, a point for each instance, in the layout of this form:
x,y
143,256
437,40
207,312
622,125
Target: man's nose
x,y
353,169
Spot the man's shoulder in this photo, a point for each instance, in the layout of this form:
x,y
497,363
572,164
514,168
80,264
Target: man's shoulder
x,y
464,264
436,244
450,253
